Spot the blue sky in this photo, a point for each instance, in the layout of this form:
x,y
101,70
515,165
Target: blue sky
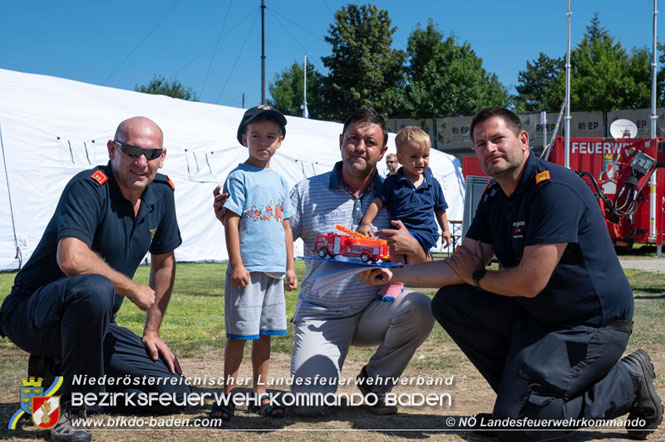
x,y
214,46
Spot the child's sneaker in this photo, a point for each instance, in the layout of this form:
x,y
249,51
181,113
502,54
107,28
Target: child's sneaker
x,y
72,426
390,292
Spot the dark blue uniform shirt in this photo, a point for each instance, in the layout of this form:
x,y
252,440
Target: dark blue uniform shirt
x,y
550,205
101,217
414,206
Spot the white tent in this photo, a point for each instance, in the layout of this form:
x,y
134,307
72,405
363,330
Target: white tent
x,y
51,128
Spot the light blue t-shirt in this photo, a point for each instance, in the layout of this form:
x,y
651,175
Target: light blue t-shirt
x,y
261,198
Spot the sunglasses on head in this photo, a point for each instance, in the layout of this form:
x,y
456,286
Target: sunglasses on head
x,y
136,152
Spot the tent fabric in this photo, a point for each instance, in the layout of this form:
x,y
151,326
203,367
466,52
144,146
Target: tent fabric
x,y
51,128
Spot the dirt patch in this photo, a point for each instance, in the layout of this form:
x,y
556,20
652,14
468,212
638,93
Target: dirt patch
x,y
656,265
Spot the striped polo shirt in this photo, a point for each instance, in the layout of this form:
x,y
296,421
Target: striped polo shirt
x,y
318,204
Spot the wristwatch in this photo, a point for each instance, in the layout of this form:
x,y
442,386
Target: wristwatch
x,y
478,275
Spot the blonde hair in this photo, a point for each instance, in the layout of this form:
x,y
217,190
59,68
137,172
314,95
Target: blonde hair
x,y
414,136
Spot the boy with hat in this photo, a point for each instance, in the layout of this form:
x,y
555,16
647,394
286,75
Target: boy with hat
x,y
260,247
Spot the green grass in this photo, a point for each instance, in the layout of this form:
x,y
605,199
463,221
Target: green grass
x,y
195,318
649,291
194,322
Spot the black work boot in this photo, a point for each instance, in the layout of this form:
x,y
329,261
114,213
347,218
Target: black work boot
x,y
647,407
380,407
45,367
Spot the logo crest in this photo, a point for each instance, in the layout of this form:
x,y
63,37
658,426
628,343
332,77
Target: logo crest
x,y
47,411
30,388
518,229
608,167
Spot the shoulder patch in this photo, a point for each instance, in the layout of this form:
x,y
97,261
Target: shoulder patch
x,y
100,177
489,185
542,176
170,183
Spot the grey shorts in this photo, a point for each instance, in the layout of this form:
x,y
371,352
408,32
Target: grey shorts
x,y
257,309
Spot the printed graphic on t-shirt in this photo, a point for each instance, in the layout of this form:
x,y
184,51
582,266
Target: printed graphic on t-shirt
x,y
270,212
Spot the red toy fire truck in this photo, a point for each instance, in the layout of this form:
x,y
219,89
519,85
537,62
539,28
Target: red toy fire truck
x,y
351,245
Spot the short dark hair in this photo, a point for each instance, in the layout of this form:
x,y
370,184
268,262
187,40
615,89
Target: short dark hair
x,y
367,115
511,120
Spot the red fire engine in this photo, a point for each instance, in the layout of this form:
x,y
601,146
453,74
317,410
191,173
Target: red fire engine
x,y
352,245
618,173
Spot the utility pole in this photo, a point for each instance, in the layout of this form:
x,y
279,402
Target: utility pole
x,y
653,203
305,111
566,154
263,52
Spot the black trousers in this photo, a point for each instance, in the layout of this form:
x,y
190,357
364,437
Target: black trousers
x,y
72,319
537,372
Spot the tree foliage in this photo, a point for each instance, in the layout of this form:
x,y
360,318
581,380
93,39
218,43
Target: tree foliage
x,y
171,88
286,91
438,76
445,78
639,70
538,88
600,77
604,76
660,79
363,68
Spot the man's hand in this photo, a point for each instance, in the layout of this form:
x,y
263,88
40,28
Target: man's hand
x,y
291,280
155,346
465,261
142,295
378,276
400,241
239,276
220,199
446,237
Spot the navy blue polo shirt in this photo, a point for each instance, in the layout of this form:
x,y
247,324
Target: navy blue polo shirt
x,y
414,206
550,205
93,210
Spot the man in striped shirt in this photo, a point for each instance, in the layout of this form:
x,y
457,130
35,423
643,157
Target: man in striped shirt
x,y
327,324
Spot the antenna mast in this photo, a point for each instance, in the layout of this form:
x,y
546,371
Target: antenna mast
x,y
566,155
305,111
263,52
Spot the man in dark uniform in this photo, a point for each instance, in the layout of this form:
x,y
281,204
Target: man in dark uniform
x,y
64,300
547,330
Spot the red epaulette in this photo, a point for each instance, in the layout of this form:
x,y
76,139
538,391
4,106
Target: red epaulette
x,y
99,176
487,186
170,183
